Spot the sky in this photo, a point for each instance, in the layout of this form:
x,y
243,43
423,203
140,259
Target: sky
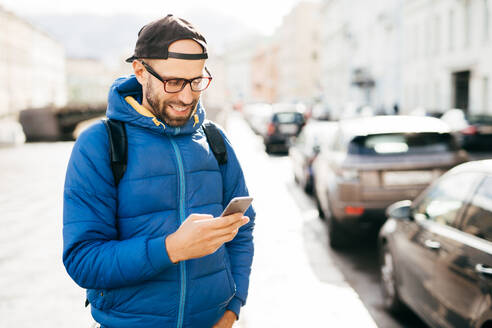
x,y
261,15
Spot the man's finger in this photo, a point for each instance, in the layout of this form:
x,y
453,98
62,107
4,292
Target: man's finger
x,y
233,227
222,222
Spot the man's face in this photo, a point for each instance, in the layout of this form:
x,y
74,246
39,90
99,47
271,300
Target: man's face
x,y
174,109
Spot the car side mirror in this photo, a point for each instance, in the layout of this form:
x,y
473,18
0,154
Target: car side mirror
x,y
399,210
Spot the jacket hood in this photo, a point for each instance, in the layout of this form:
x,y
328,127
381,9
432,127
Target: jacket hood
x,y
124,104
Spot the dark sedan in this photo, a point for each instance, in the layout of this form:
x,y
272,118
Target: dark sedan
x,y
474,131
436,252
281,128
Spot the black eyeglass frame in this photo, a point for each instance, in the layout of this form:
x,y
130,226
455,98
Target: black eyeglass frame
x,y
165,81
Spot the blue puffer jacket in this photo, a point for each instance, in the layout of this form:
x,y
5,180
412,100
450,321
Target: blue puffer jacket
x,y
114,237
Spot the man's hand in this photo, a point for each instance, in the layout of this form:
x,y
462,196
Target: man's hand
x,y
201,235
227,320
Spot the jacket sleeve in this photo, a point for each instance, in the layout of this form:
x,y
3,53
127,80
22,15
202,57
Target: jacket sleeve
x,y
241,248
92,254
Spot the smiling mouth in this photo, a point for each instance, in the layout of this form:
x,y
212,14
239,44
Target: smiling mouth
x,y
180,109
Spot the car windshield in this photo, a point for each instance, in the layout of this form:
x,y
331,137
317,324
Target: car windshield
x,y
480,119
402,143
286,118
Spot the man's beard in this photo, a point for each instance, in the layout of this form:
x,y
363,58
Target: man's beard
x,y
161,111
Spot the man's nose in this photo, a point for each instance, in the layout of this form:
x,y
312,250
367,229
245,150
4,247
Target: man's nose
x,y
186,95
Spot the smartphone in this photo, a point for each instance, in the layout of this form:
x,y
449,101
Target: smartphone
x,y
237,205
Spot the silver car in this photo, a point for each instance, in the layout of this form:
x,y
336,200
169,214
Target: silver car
x,y
375,161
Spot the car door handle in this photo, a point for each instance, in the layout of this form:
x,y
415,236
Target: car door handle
x,y
432,244
483,269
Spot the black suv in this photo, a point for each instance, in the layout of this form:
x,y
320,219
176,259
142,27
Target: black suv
x,y
281,128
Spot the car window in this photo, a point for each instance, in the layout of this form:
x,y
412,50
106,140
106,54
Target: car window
x,y
478,218
285,118
444,201
400,143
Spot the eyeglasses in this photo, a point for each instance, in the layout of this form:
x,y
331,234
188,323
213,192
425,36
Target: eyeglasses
x,y
176,85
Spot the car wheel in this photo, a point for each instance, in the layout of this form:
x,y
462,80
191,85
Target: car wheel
x,y
308,183
318,205
389,287
268,148
338,237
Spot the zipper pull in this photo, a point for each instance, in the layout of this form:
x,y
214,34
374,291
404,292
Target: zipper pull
x,y
197,120
157,122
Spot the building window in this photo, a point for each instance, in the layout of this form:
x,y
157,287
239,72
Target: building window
x,y
467,18
486,17
451,29
485,95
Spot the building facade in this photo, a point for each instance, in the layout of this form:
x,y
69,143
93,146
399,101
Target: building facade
x,y
361,53
264,76
32,67
448,46
299,40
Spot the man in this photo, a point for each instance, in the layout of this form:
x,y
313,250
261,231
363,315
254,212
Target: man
x,y
152,250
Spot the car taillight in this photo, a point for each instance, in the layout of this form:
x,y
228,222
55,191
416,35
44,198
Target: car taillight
x,y
470,130
354,210
271,129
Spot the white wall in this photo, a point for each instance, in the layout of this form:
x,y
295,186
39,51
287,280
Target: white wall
x,y
32,67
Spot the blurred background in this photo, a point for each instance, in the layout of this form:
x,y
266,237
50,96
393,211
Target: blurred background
x,y
393,56
337,109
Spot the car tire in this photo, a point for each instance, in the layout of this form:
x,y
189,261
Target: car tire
x,y
389,288
268,148
308,184
339,238
318,206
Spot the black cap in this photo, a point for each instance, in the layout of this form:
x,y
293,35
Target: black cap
x,y
154,39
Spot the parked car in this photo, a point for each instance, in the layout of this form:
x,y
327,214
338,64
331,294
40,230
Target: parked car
x,y
375,161
281,128
323,112
474,131
306,147
436,251
258,116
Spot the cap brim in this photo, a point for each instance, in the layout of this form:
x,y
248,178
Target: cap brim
x,y
131,59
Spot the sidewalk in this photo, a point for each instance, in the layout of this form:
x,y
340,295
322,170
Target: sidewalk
x,y
289,287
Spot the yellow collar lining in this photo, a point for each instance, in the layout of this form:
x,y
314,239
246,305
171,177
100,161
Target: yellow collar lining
x,y
139,108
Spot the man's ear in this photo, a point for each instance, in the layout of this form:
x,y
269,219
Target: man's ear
x,y
139,71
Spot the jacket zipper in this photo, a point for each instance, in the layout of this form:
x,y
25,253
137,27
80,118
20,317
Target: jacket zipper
x,y
182,264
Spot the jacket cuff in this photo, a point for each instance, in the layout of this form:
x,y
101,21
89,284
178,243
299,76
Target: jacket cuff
x,y
157,253
235,306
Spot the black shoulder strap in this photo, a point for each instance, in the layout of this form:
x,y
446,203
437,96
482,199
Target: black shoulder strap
x,y
216,141
118,145
118,148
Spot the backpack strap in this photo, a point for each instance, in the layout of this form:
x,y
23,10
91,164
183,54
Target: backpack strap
x,y
118,145
216,141
118,148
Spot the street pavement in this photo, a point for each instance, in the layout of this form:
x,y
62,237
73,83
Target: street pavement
x,y
292,283
290,286
35,290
